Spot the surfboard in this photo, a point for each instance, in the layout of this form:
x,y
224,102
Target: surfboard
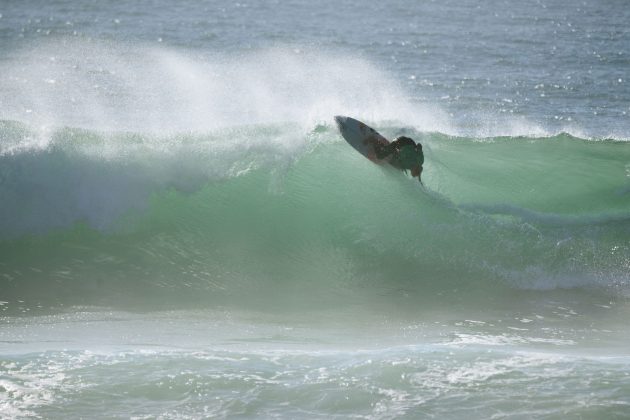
x,y
361,136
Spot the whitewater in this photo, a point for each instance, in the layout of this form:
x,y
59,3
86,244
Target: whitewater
x,y
185,234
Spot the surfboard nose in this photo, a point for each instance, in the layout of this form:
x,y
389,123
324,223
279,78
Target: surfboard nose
x,y
341,121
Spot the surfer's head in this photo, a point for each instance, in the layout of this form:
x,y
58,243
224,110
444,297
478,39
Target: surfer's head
x,y
404,141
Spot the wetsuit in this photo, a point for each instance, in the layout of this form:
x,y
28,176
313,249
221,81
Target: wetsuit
x,y
407,157
406,154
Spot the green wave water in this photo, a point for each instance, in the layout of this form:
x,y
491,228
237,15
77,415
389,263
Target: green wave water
x,y
278,216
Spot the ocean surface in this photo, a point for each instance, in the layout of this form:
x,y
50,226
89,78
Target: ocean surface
x,y
184,234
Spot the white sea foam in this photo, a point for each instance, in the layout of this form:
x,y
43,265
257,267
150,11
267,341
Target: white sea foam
x,y
28,386
462,340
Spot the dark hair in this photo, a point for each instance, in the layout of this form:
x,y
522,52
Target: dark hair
x,y
405,141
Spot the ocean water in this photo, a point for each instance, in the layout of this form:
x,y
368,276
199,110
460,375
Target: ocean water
x,y
185,234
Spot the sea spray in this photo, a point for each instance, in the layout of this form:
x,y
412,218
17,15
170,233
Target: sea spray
x,y
98,85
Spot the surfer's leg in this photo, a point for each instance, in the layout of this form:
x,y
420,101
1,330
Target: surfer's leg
x,y
417,171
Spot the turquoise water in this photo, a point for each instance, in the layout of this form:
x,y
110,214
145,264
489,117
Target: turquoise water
x,y
184,233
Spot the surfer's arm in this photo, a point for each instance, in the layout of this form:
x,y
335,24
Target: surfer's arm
x,y
382,150
417,171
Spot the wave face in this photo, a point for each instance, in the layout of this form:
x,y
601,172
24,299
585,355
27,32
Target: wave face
x,y
269,213
130,173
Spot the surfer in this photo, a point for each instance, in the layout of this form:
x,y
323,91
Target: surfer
x,y
405,153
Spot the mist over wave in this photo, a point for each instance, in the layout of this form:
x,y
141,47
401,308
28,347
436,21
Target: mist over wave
x,y
99,85
96,85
